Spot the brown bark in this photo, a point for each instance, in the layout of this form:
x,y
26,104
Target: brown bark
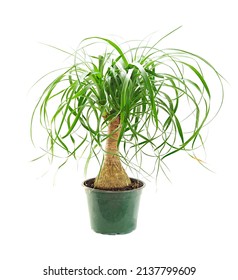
x,y
112,173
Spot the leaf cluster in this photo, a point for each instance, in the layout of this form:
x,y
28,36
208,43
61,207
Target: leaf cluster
x,y
162,97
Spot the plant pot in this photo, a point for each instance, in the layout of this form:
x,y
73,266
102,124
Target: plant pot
x,y
113,212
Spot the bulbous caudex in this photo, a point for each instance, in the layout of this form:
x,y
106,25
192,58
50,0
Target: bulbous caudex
x,y
112,173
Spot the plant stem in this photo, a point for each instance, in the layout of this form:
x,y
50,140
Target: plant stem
x,y
112,173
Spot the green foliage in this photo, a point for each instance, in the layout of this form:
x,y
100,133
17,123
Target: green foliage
x,y
161,95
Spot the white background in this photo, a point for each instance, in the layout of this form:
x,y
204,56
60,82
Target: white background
x,y
189,222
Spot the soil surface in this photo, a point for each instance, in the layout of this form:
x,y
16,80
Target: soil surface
x,y
135,184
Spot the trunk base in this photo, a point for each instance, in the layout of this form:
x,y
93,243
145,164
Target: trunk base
x,y
112,175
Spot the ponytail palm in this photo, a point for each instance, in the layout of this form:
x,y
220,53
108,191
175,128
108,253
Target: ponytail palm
x,y
126,103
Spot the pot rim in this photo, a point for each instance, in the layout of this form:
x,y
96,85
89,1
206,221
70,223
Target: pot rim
x,y
110,191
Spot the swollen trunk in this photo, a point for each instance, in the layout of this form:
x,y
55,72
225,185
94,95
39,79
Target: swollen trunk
x,y
112,174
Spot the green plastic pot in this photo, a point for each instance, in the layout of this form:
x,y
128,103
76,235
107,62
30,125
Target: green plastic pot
x,y
113,212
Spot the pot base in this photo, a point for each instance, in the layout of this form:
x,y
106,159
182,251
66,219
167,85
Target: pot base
x,y
113,212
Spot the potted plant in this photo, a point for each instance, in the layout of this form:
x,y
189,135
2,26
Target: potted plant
x,y
124,105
